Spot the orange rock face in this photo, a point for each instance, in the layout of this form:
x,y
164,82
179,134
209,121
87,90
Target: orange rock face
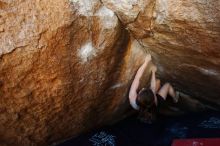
x,y
183,37
66,65
65,68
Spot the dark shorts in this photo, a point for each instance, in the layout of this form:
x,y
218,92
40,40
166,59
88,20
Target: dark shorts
x,y
160,100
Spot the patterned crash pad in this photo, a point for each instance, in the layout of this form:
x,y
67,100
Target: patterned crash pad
x,y
132,132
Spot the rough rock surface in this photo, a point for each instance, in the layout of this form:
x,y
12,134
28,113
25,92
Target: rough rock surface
x,y
66,65
183,37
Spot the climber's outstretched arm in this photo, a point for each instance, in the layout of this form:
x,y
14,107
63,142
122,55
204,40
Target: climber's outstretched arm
x,y
135,83
153,83
157,85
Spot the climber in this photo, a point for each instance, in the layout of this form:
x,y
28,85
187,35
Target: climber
x,y
147,100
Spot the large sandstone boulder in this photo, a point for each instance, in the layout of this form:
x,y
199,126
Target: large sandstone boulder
x,y
66,65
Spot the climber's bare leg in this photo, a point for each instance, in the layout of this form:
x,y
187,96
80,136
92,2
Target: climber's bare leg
x,y
167,89
172,93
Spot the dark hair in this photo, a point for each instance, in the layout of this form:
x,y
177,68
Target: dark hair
x,y
145,101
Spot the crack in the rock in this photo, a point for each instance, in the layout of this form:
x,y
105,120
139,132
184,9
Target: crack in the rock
x,y
39,38
12,51
101,2
152,17
132,21
135,19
